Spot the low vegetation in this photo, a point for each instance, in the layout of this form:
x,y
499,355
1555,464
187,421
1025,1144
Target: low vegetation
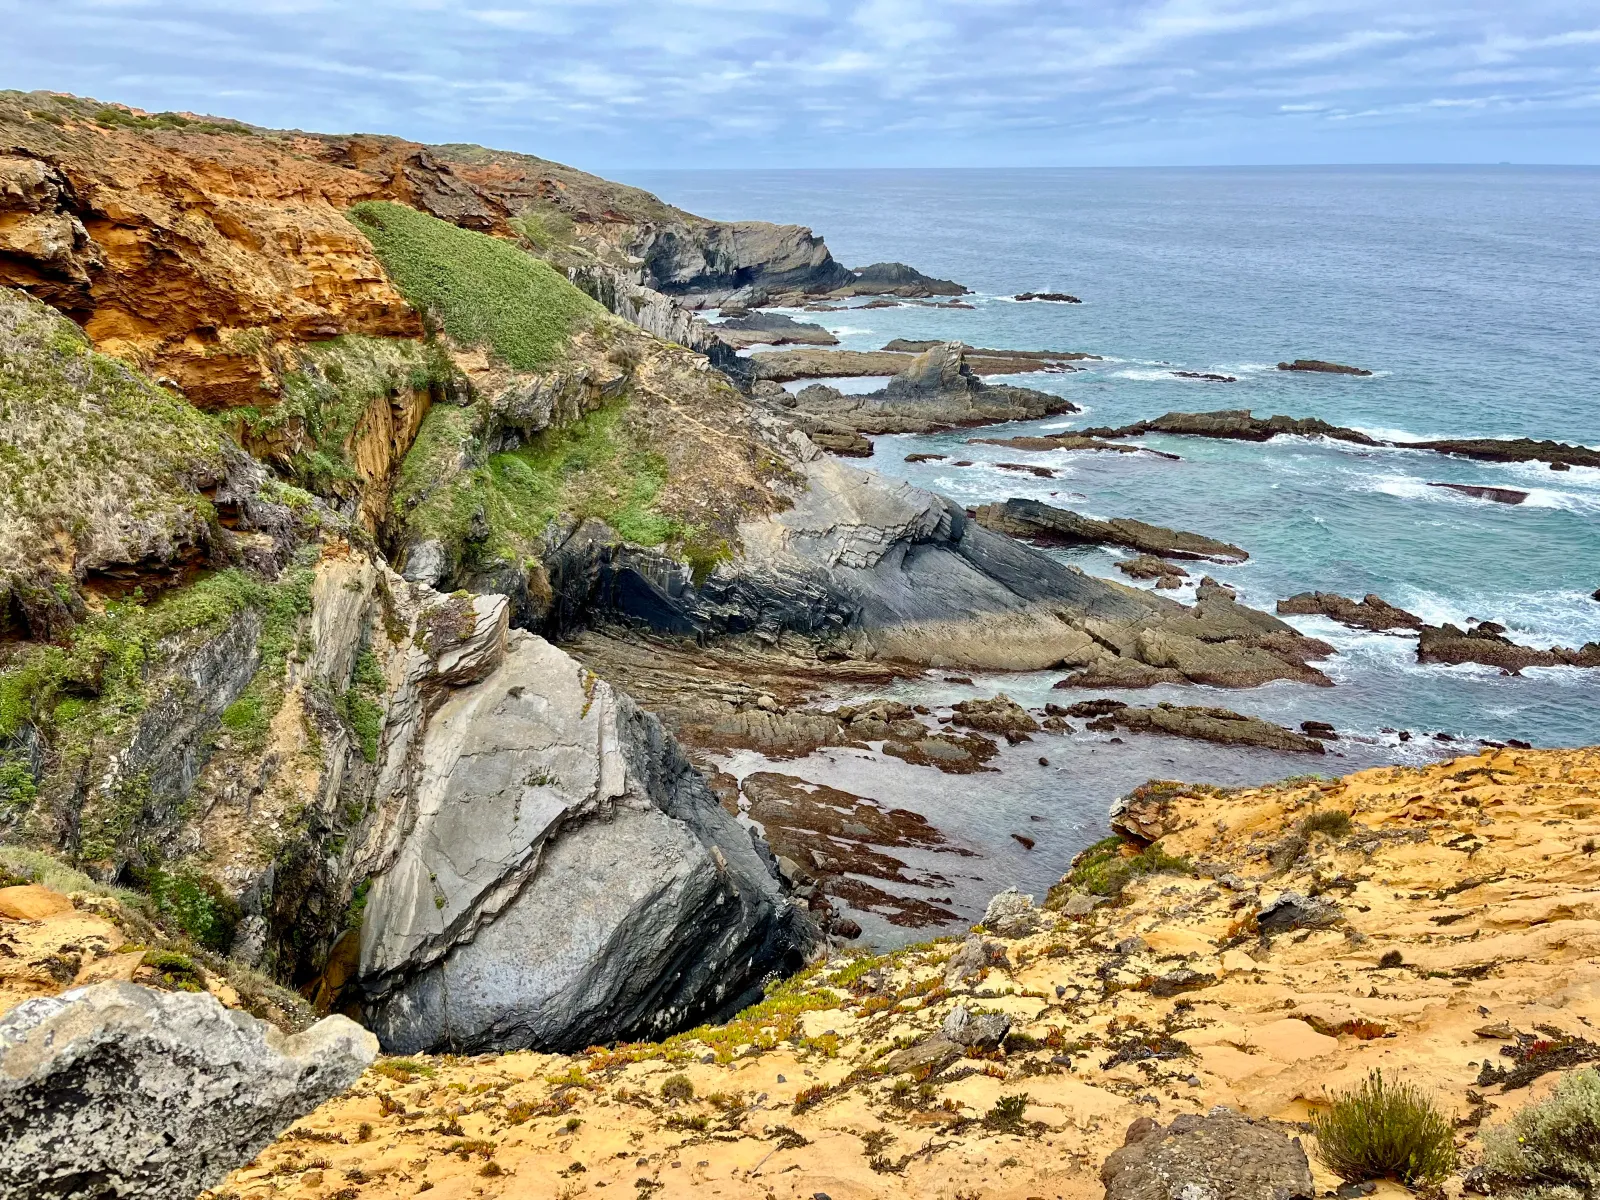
x,y
1550,1149
480,290
308,433
1384,1130
87,442
1107,867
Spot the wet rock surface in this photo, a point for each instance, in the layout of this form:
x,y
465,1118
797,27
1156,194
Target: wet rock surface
x,y
1319,366
1167,576
1372,611
1067,441
1487,645
936,389
837,842
1559,455
1235,424
119,1090
776,329
1202,722
1047,524
1499,495
783,366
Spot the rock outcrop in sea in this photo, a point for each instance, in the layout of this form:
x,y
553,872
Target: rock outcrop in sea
x,y
937,389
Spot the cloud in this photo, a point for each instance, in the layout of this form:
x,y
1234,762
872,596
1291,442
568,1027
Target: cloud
x,y
609,83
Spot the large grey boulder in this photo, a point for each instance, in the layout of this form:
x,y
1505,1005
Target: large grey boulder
x,y
119,1091
1219,1156
565,876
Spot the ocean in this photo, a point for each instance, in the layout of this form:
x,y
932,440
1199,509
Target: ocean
x,y
1472,294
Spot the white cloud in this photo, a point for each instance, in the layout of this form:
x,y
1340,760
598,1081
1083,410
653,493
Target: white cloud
x,y
711,81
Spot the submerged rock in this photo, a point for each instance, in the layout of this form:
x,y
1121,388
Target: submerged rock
x,y
1559,455
1236,424
1499,495
118,1090
1219,1156
1054,297
1207,724
1059,526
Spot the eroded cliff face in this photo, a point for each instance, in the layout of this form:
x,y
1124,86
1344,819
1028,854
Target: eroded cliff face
x,y
206,250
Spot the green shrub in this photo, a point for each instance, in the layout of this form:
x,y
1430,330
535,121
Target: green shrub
x,y
1381,1130
1331,821
17,787
1104,870
1007,1113
195,904
1549,1146
484,291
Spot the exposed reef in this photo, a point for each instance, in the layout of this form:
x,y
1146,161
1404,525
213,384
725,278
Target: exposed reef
x,y
1043,523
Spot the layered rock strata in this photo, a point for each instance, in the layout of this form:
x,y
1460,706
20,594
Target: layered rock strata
x,y
1048,525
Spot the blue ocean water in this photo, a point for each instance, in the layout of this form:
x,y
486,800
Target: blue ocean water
x,y
1473,294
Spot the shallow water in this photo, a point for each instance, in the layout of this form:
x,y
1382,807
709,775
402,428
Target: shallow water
x,y
1473,294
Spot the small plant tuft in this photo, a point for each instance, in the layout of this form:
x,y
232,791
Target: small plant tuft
x,y
1382,1130
1007,1113
677,1087
1332,821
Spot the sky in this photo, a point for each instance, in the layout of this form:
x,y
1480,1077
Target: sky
x,y
651,84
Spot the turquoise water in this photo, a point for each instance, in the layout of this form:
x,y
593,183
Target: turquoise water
x,y
1472,294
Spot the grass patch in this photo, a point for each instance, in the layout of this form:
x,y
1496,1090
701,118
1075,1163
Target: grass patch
x,y
1551,1148
481,290
1381,1130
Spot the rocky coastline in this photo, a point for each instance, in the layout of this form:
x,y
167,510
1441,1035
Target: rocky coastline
x,y
394,562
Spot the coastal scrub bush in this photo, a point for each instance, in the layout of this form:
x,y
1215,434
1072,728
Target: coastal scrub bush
x,y
482,290
1382,1130
1332,821
677,1087
1550,1148
1104,870
195,904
